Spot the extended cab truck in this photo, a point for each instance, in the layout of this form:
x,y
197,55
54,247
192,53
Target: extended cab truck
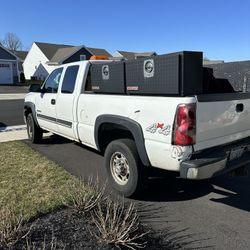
x,y
197,136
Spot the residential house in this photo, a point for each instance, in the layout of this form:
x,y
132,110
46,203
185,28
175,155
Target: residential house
x,y
42,57
132,55
9,71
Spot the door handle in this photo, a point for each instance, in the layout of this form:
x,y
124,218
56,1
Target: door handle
x,y
53,101
239,107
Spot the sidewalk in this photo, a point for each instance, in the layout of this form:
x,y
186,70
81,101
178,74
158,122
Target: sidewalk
x,y
12,96
13,133
13,92
7,89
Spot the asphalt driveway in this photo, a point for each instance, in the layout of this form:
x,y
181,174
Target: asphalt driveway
x,y
213,215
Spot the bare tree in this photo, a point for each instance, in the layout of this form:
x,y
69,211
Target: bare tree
x,y
12,42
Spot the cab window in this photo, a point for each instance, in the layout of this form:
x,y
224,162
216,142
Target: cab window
x,y
69,79
52,82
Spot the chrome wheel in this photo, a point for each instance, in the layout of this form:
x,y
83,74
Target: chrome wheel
x,y
119,168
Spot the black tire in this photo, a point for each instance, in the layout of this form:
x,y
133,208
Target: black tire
x,y
125,151
34,132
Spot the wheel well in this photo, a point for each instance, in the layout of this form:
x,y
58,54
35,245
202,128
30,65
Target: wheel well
x,y
27,110
108,132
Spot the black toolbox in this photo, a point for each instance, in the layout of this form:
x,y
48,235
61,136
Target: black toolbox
x,y
107,78
237,73
171,74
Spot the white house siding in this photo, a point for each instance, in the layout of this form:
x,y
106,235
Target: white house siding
x,y
35,64
6,73
14,73
9,73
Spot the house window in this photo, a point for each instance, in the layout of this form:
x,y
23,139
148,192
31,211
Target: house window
x,y
82,57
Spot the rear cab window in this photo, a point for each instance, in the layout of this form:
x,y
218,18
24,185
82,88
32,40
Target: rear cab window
x,y
69,80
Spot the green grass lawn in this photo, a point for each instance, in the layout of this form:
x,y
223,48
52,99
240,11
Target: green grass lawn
x,y
30,184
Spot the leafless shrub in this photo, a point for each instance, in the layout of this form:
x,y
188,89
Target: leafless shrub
x,y
117,225
84,196
10,228
52,245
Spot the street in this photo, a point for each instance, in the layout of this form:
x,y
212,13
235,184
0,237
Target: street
x,y
11,112
13,89
12,125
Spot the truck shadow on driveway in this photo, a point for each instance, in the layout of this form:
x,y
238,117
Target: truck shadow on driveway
x,y
54,140
84,162
232,191
237,194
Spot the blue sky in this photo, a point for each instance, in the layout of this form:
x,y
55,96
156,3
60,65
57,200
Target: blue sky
x,y
221,29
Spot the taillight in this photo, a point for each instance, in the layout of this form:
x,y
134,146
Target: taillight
x,y
184,131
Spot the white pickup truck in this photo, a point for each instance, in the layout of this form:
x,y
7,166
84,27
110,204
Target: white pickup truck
x,y
197,136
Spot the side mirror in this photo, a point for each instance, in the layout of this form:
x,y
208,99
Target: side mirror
x,y
35,87
43,90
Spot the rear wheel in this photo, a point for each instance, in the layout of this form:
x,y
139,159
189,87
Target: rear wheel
x,y
124,167
35,133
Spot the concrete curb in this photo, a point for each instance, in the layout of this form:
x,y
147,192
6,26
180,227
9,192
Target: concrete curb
x,y
13,133
12,128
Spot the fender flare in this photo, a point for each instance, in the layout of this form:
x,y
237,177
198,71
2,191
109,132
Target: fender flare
x,y
31,106
131,125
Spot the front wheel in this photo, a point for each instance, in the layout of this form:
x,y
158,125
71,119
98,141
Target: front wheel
x,y
124,167
35,133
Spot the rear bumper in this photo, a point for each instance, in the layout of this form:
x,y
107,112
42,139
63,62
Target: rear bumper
x,y
214,162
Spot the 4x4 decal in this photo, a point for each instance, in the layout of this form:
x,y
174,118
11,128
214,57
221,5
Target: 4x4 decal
x,y
161,128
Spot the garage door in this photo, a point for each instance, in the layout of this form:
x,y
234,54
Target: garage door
x,y
5,73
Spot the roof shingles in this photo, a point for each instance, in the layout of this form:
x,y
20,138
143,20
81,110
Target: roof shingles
x,y
50,49
57,53
20,54
133,55
64,53
98,52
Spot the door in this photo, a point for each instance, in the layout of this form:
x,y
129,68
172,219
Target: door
x,y
46,101
66,101
5,73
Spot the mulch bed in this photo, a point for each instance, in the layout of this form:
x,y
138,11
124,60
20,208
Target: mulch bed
x,y
72,230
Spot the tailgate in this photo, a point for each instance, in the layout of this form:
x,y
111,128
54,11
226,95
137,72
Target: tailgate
x,y
221,119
